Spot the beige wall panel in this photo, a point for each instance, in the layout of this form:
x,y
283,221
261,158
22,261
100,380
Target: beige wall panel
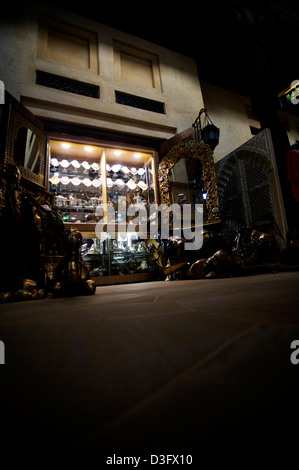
x,y
68,49
67,44
137,66
136,70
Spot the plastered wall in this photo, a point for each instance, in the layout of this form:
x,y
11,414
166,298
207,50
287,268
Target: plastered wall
x,y
232,113
227,110
64,44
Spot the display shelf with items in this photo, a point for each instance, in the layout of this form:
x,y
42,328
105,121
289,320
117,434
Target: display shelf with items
x,y
122,259
95,254
129,179
129,256
75,180
84,178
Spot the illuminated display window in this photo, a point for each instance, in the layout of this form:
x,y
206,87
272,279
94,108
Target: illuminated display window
x,y
83,177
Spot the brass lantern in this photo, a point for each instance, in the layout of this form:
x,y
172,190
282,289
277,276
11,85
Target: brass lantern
x,y
206,131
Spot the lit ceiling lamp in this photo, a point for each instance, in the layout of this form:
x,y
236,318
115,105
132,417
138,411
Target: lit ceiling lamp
x,y
206,131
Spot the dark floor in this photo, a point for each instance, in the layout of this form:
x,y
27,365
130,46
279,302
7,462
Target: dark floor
x,y
170,367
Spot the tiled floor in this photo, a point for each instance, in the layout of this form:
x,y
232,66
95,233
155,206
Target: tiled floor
x,y
167,366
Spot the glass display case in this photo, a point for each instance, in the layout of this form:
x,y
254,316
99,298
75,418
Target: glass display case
x,y
130,177
119,256
75,180
86,177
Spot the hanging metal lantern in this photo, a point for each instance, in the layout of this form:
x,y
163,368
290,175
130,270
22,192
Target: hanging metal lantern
x,y
206,132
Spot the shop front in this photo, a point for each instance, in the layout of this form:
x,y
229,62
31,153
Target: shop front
x,y
108,191
87,181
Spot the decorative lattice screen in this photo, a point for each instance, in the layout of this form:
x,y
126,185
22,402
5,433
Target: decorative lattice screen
x,y
245,191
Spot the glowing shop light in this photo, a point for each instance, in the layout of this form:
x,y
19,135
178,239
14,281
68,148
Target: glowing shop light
x,y
65,180
75,164
116,168
142,185
64,163
86,182
96,183
95,166
125,169
131,184
120,183
76,181
54,162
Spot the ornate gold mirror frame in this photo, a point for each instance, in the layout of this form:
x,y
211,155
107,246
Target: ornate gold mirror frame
x,y
192,149
16,122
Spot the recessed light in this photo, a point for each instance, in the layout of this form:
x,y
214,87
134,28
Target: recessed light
x,y
137,155
88,149
117,152
65,145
